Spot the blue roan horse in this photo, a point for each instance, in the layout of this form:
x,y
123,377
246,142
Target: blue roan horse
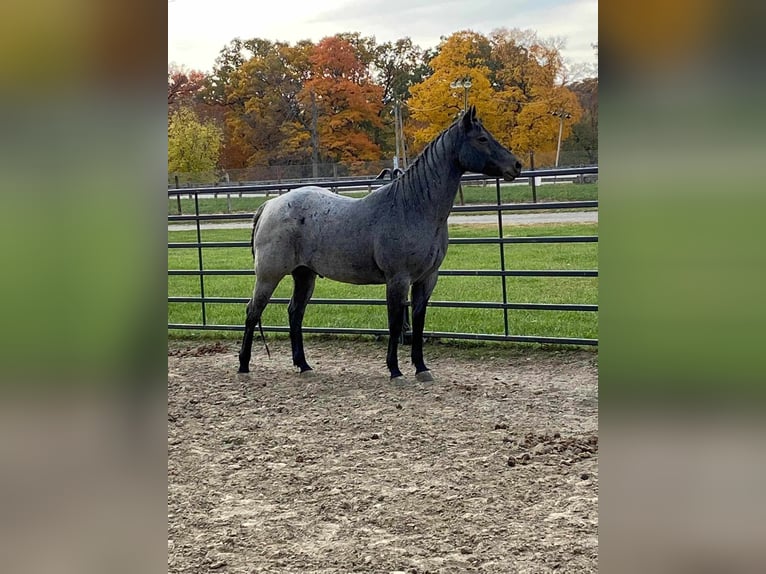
x,y
396,235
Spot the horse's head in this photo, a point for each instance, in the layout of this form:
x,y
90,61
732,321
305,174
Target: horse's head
x,y
482,153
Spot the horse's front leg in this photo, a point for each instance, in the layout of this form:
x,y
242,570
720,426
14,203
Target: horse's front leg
x,y
396,300
421,292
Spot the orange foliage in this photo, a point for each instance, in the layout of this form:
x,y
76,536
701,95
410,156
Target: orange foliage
x,y
347,101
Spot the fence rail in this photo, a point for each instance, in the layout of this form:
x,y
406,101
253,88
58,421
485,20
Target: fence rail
x,y
525,177
370,184
339,171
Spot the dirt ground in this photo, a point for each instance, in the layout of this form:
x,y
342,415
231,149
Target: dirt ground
x,y
490,468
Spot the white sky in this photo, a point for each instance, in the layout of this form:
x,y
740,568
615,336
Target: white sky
x,y
199,29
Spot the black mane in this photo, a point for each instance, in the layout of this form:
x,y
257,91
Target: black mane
x,y
426,169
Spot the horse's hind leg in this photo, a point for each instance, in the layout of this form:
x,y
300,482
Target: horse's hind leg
x,y
421,292
261,296
304,280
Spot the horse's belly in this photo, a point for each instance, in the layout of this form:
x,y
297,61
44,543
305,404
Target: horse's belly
x,y
348,270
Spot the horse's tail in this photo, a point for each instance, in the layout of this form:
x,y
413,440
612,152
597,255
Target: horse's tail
x,y
256,217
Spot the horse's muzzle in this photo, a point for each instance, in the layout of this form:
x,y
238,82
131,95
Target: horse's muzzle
x,y
512,172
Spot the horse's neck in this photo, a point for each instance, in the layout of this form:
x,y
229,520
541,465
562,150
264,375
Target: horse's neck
x,y
432,181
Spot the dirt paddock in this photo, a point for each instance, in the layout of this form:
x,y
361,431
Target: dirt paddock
x,y
490,468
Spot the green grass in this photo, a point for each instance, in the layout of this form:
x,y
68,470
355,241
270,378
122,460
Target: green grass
x,y
472,194
523,193
518,289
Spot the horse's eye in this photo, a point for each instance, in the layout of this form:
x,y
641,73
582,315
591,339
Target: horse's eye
x,y
483,139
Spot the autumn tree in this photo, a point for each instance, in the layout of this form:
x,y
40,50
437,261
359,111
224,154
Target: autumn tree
x,y
185,88
193,146
364,47
229,59
515,84
333,101
228,112
435,103
264,121
533,71
346,102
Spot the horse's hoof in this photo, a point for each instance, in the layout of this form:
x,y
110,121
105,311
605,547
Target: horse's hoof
x,y
424,376
307,374
243,370
399,379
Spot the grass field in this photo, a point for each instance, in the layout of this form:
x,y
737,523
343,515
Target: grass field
x,y
571,256
471,195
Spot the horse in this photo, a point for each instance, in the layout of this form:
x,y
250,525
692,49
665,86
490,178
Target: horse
x,y
395,235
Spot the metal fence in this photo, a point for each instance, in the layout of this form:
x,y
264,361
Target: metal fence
x,y
499,208
337,171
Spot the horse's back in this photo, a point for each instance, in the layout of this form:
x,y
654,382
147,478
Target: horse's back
x,y
316,200
313,227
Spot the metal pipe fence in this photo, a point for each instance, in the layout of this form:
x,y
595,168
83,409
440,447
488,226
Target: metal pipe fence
x,y
503,273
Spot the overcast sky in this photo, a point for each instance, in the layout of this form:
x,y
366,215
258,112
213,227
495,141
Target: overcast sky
x,y
199,29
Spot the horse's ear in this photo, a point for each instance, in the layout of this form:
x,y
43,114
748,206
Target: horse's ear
x,y
473,113
468,118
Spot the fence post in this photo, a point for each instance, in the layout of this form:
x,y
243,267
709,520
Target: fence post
x,y
335,176
178,197
199,255
532,179
503,280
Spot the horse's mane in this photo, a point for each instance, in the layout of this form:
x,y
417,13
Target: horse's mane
x,y
424,167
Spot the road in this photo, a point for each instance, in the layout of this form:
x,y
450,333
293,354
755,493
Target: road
x,y
508,218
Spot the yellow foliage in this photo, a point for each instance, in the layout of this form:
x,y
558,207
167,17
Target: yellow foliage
x,y
513,87
193,146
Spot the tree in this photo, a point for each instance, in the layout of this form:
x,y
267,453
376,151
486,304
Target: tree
x,y
185,88
229,59
531,72
193,146
346,99
397,66
334,101
265,122
515,84
584,138
435,104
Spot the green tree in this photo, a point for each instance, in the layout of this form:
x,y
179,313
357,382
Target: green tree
x,y
397,66
582,144
193,146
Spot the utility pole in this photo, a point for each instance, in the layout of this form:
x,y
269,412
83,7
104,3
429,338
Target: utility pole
x,y
396,133
561,115
464,83
401,138
314,138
